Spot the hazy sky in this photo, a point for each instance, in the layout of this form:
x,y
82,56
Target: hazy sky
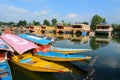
x,y
67,10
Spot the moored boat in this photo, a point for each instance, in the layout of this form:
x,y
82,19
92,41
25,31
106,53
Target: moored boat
x,y
27,60
44,41
68,50
55,56
44,53
5,72
32,63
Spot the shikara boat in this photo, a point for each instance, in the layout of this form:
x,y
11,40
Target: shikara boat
x,y
27,60
68,50
34,63
44,41
17,71
36,39
53,56
5,72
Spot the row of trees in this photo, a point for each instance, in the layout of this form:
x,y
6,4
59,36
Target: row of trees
x,y
24,23
96,19
36,23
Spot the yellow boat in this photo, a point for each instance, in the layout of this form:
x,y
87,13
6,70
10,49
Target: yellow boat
x,y
27,60
32,63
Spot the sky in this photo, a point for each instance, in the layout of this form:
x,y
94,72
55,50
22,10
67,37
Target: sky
x,y
67,10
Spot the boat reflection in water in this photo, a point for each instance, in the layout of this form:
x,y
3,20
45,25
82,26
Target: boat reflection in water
x,y
100,41
20,73
71,37
73,40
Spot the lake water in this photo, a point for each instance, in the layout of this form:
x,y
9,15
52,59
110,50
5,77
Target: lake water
x,y
105,63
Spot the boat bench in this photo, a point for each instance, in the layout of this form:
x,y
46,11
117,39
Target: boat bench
x,y
3,73
26,61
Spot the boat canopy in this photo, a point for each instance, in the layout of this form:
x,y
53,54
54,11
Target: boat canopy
x,y
5,46
36,39
17,43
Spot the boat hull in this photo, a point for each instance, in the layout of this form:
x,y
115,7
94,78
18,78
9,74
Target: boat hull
x,y
40,65
54,56
68,50
5,72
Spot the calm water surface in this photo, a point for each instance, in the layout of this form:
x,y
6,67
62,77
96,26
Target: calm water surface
x,y
105,63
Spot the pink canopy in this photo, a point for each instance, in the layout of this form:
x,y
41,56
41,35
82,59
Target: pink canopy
x,y
17,43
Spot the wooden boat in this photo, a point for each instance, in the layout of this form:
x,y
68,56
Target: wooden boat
x,y
36,39
23,73
44,41
28,61
54,56
33,63
68,50
5,72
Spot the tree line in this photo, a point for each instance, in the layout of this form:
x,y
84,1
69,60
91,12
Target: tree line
x,y
96,19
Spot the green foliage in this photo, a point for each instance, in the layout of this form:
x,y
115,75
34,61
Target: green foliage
x,y
104,20
116,39
93,45
8,23
54,21
35,23
22,23
46,22
95,21
116,27
85,23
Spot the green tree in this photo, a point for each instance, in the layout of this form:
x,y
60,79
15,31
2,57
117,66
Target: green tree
x,y
11,23
22,23
46,22
116,27
54,21
85,23
35,23
63,22
104,21
95,20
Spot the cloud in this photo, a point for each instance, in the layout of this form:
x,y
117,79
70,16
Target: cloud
x,y
12,13
72,15
43,12
18,10
113,63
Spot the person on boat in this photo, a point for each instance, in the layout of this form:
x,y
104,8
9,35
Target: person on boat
x,y
43,48
3,56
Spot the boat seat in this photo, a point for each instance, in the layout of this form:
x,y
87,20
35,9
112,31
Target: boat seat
x,y
3,73
27,61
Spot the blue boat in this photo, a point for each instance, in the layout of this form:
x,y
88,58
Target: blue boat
x,y
5,72
45,53
46,40
36,39
55,56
